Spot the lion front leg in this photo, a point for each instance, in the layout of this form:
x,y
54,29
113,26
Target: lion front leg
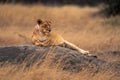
x,y
72,46
83,51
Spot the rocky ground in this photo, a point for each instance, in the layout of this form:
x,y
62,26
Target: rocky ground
x,y
67,59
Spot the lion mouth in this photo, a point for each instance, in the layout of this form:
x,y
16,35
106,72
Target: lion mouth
x,y
42,39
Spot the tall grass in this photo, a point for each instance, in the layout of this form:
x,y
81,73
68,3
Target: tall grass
x,y
47,72
76,24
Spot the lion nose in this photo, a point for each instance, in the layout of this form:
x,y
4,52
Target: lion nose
x,y
49,30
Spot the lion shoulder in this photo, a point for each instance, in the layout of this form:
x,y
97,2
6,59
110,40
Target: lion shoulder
x,y
56,38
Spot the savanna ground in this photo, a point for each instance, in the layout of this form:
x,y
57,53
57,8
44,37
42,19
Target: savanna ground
x,y
79,25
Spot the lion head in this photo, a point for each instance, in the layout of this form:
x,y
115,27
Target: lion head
x,y
44,26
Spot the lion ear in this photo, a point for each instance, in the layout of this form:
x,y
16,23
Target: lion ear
x,y
39,21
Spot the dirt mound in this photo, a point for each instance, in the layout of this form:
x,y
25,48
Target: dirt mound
x,y
68,59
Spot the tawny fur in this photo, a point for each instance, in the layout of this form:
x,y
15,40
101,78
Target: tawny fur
x,y
43,36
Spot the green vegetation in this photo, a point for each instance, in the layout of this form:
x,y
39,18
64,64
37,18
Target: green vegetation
x,y
113,7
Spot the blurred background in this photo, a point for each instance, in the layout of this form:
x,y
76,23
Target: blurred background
x,y
56,2
90,24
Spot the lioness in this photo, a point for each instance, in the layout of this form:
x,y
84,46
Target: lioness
x,y
44,36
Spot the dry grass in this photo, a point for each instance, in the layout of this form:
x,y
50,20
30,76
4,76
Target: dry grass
x,y
75,24
87,31
46,72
